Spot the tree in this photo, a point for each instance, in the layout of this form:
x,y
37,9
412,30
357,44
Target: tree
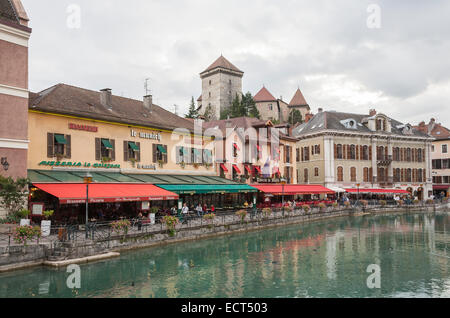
x,y
13,194
236,108
193,113
295,116
249,106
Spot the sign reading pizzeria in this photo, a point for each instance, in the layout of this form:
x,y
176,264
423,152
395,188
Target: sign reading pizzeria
x,y
83,127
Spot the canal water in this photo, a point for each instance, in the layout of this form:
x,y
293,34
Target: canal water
x,y
320,259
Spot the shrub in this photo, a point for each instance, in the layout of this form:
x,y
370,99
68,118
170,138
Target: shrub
x,y
335,205
121,226
24,213
210,216
400,202
170,222
289,209
242,214
416,201
25,233
430,201
347,204
267,212
365,203
322,206
383,202
306,208
154,210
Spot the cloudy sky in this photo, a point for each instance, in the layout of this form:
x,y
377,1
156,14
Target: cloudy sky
x,y
342,54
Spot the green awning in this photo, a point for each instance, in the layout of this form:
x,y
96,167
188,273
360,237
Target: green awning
x,y
133,146
60,139
107,144
207,189
162,149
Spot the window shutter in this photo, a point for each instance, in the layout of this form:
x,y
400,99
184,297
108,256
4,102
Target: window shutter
x,y
113,151
370,152
68,147
166,154
177,155
125,151
335,151
98,146
318,149
154,149
138,153
303,158
349,152
50,145
357,152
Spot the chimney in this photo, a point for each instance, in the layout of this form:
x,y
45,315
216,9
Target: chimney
x,y
320,110
106,97
431,125
372,112
148,103
308,117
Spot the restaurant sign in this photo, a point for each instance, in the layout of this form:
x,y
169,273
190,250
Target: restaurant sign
x,y
78,165
83,127
145,135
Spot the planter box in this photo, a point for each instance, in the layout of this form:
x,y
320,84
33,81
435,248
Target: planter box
x,y
5,228
24,222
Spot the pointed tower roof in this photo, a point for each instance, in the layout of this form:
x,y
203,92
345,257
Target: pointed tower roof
x,y
264,96
222,62
298,99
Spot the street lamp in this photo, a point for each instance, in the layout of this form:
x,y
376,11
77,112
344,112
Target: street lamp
x,y
357,198
283,182
87,179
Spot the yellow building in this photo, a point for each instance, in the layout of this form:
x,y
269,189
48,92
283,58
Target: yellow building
x,y
119,140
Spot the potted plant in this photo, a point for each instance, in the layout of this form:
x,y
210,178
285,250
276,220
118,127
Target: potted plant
x,y
46,224
161,163
364,203
106,159
383,203
210,219
133,162
208,165
182,164
335,205
196,165
23,214
170,222
306,208
322,207
121,226
59,157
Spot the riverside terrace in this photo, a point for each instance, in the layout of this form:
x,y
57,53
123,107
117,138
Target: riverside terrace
x,y
70,243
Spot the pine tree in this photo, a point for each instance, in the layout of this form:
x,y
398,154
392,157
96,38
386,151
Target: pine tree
x,y
249,106
295,116
236,107
193,113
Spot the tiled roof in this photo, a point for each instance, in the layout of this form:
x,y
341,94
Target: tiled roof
x,y
329,120
75,101
222,62
264,96
298,99
434,129
199,99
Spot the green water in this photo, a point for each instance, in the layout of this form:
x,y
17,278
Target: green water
x,y
322,259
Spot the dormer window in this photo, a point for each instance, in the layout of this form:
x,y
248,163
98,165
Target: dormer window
x,y
349,123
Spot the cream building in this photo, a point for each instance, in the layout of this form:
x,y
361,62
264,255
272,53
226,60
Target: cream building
x,y
342,151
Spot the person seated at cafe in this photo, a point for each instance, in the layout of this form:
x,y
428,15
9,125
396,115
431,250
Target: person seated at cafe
x,y
213,209
245,204
185,209
199,210
205,208
173,210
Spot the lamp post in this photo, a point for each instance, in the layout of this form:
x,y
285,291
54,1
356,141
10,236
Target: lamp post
x,y
357,198
283,182
87,179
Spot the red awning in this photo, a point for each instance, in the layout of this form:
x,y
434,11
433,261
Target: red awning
x,y
224,168
441,187
236,169
378,191
258,168
248,169
292,189
74,193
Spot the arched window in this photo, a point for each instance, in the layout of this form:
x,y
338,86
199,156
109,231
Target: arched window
x,y
408,154
340,174
353,174
366,175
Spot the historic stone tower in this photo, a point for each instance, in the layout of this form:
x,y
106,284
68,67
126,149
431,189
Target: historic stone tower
x,y
220,84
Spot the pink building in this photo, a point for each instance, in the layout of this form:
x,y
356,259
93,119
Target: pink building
x,y
14,37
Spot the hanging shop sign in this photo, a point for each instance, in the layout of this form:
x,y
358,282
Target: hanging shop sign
x,y
145,135
268,180
83,127
69,164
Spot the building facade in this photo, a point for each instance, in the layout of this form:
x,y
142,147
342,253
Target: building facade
x,y
14,37
349,151
221,83
440,155
252,151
